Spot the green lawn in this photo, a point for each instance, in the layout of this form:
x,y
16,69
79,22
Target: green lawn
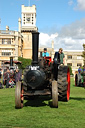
x,y
39,114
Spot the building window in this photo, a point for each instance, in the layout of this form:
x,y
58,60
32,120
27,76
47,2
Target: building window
x,y
6,53
69,64
79,64
6,41
79,57
12,40
69,57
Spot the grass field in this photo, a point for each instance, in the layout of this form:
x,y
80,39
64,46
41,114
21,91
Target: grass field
x,y
39,114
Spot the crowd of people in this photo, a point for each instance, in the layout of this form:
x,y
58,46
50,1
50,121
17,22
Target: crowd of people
x,y
9,77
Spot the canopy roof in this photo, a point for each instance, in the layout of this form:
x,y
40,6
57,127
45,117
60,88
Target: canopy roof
x,y
16,62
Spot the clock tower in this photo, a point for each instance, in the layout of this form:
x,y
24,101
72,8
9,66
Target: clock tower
x,y
29,18
28,26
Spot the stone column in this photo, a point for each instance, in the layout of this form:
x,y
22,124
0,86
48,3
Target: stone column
x,y
19,23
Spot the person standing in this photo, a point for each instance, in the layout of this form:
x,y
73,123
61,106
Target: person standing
x,y
62,56
80,70
7,77
59,59
17,75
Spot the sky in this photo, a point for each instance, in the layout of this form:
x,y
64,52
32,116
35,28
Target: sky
x,y
61,21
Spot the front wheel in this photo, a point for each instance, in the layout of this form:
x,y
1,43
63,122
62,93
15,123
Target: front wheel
x,y
19,95
55,94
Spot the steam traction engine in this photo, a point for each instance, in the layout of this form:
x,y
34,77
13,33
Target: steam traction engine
x,y
43,77
11,73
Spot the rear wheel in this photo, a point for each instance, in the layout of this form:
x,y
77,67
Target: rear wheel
x,y
19,95
64,83
55,94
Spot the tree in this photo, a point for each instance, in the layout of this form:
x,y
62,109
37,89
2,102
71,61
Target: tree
x,y
25,62
83,54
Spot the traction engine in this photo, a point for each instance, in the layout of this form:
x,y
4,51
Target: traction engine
x,y
43,77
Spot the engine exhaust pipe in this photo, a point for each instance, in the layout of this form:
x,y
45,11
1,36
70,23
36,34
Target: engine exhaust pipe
x,y
35,45
11,61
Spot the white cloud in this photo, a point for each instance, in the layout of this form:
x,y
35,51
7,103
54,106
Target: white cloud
x,y
80,5
70,2
53,36
45,39
71,37
75,30
69,43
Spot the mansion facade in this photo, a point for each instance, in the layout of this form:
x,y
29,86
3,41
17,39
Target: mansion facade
x,y
74,59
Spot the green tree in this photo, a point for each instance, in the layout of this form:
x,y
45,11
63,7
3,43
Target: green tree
x,y
25,62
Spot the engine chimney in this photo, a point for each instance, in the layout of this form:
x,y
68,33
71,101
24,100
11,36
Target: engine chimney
x,y
11,61
35,45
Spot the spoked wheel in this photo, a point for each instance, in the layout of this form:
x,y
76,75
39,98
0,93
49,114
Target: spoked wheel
x,y
64,83
55,94
19,98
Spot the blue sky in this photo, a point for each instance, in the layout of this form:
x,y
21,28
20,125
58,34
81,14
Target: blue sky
x,y
62,21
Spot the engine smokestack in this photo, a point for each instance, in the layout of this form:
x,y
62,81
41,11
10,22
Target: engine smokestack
x,y
35,45
11,61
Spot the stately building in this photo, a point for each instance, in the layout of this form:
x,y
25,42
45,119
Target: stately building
x,y
10,45
74,59
19,43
